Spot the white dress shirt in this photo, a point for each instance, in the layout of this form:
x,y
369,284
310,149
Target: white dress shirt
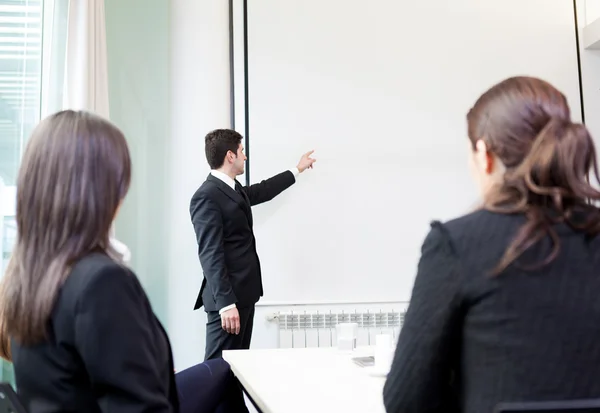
x,y
231,183
121,249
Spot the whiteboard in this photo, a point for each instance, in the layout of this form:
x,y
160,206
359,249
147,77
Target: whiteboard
x,y
380,90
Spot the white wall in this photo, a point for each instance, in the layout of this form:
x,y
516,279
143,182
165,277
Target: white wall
x,y
138,81
591,10
199,102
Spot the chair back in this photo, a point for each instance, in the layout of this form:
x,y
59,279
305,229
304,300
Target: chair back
x,y
562,406
9,401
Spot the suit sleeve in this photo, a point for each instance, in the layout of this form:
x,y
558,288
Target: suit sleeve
x,y
420,379
269,188
113,336
208,224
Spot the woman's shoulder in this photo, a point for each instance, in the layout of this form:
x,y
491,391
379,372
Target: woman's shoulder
x,y
483,217
97,264
93,283
97,272
479,228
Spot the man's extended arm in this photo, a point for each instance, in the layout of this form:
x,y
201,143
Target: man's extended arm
x,y
270,188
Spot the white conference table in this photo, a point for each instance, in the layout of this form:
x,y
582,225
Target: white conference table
x,y
308,380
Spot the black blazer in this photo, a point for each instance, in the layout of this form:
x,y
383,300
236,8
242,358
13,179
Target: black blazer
x,y
471,340
106,351
222,220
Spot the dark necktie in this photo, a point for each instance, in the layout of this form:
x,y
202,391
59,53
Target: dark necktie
x,y
239,190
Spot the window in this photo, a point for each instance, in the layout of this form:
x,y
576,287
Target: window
x,y
20,79
32,46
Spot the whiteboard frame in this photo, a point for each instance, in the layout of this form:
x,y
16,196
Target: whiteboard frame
x,y
238,32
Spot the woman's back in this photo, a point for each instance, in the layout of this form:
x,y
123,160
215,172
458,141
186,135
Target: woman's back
x,y
92,360
472,340
527,335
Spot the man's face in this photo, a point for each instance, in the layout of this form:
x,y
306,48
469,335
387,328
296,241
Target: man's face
x,y
240,161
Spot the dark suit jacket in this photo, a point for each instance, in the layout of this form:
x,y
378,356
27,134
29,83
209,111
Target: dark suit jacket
x,y
471,340
222,220
106,351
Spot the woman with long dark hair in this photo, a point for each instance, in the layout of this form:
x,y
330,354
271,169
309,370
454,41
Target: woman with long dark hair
x,y
505,303
74,319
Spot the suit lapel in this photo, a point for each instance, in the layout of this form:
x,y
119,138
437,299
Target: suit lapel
x,y
241,201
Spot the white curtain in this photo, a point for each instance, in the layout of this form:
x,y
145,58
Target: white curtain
x,y
86,69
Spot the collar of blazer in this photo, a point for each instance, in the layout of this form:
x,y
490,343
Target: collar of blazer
x,y
231,193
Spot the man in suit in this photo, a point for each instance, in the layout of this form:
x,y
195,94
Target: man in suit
x,y
222,218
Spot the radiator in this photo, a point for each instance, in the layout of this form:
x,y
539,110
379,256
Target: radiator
x,y
298,329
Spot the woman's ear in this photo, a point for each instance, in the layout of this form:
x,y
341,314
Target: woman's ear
x,y
484,159
489,163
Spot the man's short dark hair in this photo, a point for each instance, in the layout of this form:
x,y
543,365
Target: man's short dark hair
x,y
217,143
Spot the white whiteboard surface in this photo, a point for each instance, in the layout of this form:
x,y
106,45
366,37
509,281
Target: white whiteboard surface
x,y
590,69
380,90
591,10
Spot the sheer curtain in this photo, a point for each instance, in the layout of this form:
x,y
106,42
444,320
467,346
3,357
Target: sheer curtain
x,y
86,69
